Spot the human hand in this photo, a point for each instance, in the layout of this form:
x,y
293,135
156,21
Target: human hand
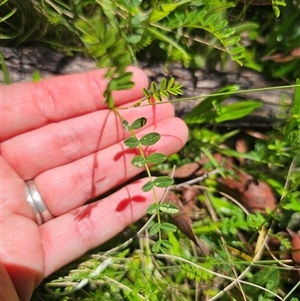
x,y
59,133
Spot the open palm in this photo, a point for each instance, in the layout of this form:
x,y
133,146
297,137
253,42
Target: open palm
x,y
59,133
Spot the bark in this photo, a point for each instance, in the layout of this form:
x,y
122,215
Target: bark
x,y
24,61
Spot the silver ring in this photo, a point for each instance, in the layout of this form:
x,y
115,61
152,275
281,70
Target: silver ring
x,y
34,198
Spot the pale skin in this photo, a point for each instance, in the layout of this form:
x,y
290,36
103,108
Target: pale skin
x,y
59,133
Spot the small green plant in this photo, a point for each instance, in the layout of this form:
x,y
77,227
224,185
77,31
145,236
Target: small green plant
x,y
144,161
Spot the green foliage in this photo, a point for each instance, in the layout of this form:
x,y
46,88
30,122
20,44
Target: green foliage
x,y
212,23
212,110
143,161
196,33
198,274
165,265
4,17
268,277
165,89
4,69
283,146
204,112
128,26
236,110
275,4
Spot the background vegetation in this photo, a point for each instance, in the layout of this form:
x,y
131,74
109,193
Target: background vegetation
x,y
239,219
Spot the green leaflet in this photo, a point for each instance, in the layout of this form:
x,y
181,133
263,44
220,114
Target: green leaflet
x,y
156,158
164,9
204,112
150,139
296,105
168,208
237,110
139,123
163,181
138,161
131,142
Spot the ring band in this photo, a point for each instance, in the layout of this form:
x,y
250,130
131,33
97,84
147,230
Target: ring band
x,y
34,198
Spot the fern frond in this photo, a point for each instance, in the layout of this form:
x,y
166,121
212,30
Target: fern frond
x,y
202,273
211,23
144,42
164,90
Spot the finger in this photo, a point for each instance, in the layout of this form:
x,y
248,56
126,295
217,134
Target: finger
x,y
60,143
27,106
67,187
69,236
7,287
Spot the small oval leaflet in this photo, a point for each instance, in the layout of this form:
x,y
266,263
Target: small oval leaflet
x,y
163,84
126,125
156,158
131,142
168,227
154,229
153,87
168,208
153,208
166,244
163,181
138,123
138,161
134,38
150,139
170,83
148,186
156,247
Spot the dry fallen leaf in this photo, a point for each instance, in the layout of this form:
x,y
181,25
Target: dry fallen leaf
x,y
186,170
256,134
242,147
296,52
184,223
217,156
253,194
282,58
189,198
295,243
